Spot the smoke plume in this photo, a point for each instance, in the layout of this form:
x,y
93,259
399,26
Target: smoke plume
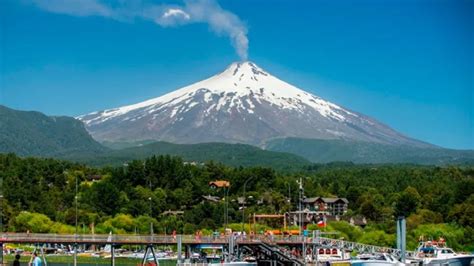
x,y
220,21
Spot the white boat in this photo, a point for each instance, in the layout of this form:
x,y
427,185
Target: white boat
x,y
234,263
382,259
437,253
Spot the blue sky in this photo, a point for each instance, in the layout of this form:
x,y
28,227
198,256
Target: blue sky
x,y
409,64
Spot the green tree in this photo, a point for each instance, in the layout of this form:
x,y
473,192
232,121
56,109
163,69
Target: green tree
x,y
378,238
143,222
105,197
32,222
463,213
408,202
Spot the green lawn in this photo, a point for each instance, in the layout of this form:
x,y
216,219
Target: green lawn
x,y
68,260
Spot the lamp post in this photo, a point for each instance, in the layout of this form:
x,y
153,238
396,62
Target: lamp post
x,y
226,205
243,203
1,207
1,212
151,210
1,219
75,234
300,208
289,192
75,202
151,215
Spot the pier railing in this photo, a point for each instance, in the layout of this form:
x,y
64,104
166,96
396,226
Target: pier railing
x,y
322,242
107,239
104,239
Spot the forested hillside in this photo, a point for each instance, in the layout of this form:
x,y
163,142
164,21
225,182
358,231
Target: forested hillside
x,y
226,153
29,133
338,150
39,197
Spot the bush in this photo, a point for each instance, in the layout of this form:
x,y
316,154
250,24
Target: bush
x,y
378,238
142,224
32,222
59,228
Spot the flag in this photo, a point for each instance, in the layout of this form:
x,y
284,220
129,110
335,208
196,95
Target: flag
x,y
322,222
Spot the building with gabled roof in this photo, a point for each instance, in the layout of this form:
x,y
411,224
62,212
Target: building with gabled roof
x,y
219,184
333,206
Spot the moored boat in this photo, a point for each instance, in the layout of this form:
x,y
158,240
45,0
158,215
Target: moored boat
x,y
382,259
437,253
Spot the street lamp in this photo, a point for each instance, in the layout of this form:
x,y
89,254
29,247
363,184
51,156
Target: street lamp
x,y
75,199
243,203
289,192
1,205
151,210
226,186
151,215
226,205
1,212
75,235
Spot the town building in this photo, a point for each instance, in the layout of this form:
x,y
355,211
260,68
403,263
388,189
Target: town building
x,y
332,206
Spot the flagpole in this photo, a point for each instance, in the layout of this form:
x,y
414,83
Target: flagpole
x,y
325,222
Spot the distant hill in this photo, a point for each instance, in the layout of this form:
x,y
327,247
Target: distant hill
x,y
324,151
29,133
118,145
229,154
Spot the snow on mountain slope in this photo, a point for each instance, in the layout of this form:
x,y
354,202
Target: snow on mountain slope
x,y
242,104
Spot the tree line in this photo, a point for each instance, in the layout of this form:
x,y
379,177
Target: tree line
x,y
39,195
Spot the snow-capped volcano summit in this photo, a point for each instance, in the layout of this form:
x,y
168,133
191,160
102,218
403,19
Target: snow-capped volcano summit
x,y
243,104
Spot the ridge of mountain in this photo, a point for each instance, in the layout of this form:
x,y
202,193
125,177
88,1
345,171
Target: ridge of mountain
x,y
325,151
31,133
229,154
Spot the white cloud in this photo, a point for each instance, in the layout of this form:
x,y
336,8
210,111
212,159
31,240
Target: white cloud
x,y
75,7
173,12
220,21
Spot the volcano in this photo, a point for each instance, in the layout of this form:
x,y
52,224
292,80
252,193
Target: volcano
x,y
242,104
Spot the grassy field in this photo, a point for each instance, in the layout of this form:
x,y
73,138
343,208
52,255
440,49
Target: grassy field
x,y
64,260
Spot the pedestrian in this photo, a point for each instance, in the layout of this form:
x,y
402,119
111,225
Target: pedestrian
x,y
35,260
16,262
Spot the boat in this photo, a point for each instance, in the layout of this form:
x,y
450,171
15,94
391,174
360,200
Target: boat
x,y
382,259
230,263
234,263
214,255
437,253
